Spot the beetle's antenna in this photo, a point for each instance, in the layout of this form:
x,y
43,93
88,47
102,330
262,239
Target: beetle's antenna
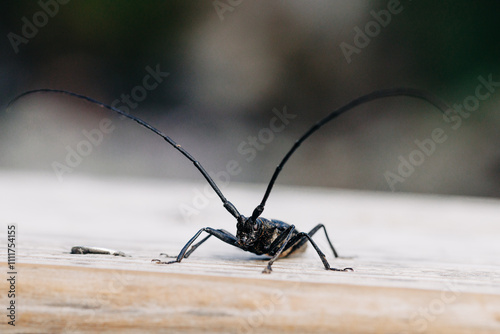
x,y
416,93
228,205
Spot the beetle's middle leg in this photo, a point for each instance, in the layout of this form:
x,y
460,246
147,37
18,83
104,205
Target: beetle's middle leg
x,y
302,237
296,245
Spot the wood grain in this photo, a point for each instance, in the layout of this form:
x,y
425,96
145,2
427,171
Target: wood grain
x,y
66,299
422,264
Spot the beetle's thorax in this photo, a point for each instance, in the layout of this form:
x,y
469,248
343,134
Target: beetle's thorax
x,y
257,236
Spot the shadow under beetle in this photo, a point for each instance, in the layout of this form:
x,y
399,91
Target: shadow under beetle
x,y
256,234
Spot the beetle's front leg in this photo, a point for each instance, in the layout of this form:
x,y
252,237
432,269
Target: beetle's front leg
x,y
220,234
193,248
281,241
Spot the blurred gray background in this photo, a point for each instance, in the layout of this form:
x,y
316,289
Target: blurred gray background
x,y
232,62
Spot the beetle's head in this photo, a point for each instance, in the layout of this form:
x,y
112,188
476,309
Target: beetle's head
x,y
248,230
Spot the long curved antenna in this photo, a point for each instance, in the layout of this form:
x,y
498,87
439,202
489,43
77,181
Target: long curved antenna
x,y
228,205
416,93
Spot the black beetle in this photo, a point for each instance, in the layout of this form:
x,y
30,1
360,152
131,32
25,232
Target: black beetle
x,y
256,234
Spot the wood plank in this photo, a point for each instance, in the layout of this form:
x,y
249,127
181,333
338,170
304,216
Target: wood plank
x,y
84,300
422,263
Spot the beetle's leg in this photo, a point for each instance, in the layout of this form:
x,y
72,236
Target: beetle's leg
x,y
196,245
281,241
303,240
220,234
322,256
193,248
315,229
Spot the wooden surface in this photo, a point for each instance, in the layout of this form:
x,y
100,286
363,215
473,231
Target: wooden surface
x,y
422,263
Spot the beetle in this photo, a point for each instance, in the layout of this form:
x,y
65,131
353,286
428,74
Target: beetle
x,y
256,234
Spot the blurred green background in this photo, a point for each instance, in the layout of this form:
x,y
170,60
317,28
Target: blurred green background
x,y
230,63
